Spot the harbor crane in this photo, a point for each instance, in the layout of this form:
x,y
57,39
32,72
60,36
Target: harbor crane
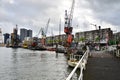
x,y
68,25
94,25
14,37
44,32
39,32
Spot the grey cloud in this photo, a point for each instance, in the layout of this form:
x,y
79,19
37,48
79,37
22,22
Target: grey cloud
x,y
106,10
30,8
34,14
30,12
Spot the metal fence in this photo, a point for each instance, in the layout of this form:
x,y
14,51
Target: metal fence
x,y
82,64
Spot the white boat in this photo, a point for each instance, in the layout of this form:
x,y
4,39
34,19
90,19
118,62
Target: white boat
x,y
74,59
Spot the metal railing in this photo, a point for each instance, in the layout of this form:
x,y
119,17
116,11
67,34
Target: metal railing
x,y
82,62
118,53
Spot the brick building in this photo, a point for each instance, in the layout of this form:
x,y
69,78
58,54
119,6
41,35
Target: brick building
x,y
102,35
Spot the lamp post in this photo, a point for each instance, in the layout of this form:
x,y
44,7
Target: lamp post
x,y
115,36
99,36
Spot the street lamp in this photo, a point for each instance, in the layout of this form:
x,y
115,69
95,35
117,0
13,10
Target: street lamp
x,y
115,36
99,35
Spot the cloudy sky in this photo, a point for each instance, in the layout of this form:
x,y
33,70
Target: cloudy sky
x,y
34,14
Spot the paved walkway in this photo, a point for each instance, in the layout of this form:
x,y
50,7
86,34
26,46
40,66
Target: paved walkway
x,y
102,66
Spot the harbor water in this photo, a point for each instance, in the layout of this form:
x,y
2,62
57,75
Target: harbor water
x,y
24,64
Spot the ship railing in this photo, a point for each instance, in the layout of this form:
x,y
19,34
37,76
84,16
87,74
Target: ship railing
x,y
82,65
75,57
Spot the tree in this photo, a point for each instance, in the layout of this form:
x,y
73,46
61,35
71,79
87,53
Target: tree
x,y
75,39
82,39
97,39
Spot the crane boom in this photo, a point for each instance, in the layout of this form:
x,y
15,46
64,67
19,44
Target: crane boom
x,y
68,19
39,32
47,27
95,26
71,14
44,33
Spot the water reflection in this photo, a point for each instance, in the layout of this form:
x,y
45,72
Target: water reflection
x,y
14,58
76,75
23,64
14,49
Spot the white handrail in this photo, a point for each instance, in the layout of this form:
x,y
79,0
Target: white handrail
x,y
81,63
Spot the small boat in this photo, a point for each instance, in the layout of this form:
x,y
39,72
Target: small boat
x,y
73,59
77,52
51,48
24,46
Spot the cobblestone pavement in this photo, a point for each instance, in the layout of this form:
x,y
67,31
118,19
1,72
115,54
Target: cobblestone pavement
x,y
101,54
102,66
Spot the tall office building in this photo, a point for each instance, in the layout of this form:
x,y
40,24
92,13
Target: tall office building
x,y
29,33
23,33
6,36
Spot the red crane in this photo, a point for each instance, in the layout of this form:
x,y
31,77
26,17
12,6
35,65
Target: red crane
x,y
68,25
